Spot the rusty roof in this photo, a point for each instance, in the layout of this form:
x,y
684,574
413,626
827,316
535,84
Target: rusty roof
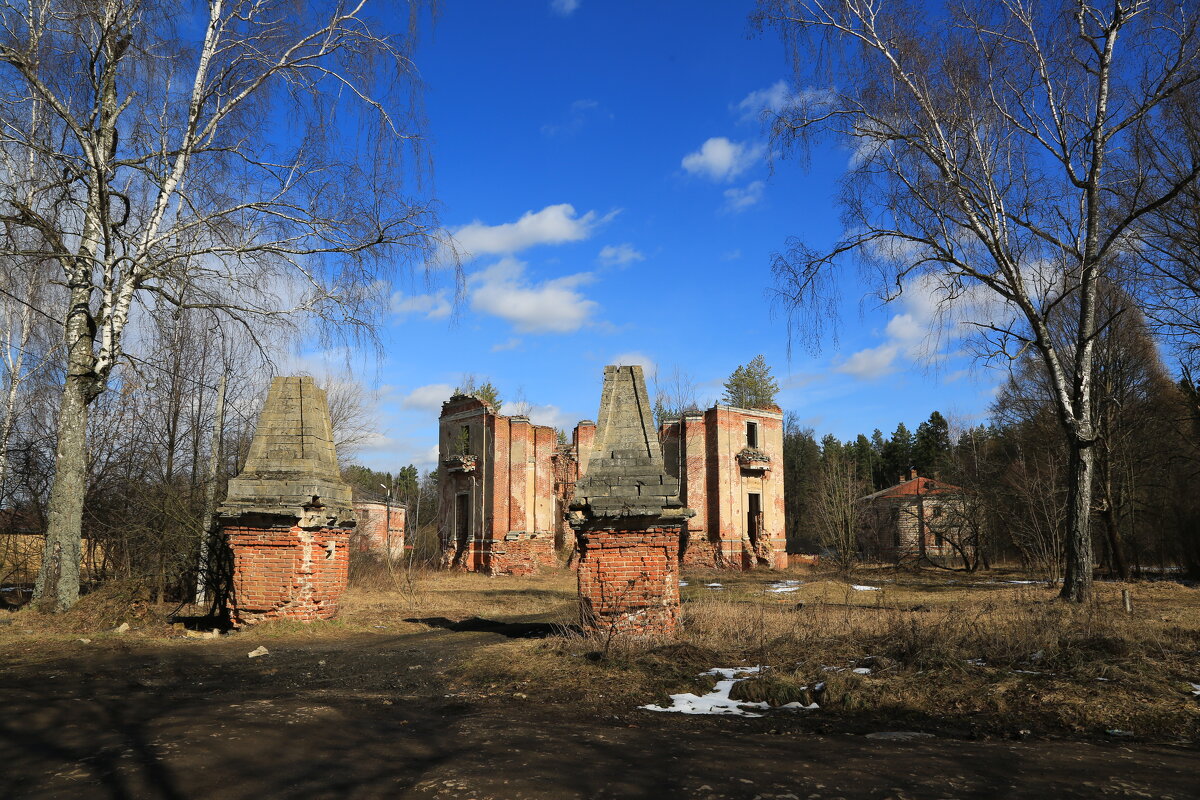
x,y
914,487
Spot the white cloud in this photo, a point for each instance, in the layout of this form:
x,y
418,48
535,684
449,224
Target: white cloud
x,y
564,8
579,114
555,224
428,398
619,255
873,362
774,98
508,345
548,414
720,159
433,306
634,358
740,199
554,305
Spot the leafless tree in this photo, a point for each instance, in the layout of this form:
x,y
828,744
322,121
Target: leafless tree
x,y
998,164
838,506
352,413
256,169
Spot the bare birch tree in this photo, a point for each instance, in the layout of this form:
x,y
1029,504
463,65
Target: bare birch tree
x,y
248,157
997,159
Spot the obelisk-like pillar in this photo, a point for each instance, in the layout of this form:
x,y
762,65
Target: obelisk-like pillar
x,y
288,515
627,517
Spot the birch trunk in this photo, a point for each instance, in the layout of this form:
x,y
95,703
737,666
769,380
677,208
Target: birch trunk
x,y
57,586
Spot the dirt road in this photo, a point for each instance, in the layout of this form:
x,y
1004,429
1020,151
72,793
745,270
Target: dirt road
x,y
371,716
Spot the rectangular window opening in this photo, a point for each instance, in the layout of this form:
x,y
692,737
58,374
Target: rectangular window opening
x,y
754,517
752,434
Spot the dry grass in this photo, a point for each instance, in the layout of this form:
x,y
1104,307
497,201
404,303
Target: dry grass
x,y
974,652
980,654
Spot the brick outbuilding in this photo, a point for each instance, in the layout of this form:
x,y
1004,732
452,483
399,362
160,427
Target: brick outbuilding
x,y
911,519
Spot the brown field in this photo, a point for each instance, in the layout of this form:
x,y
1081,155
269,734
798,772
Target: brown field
x,y
973,655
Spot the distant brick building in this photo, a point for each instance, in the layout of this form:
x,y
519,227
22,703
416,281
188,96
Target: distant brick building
x,y
505,485
499,512
911,519
729,462
380,527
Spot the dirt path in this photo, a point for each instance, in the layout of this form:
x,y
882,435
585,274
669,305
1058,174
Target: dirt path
x,y
369,716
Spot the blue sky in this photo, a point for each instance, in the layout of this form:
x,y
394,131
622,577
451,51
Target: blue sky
x,y
605,167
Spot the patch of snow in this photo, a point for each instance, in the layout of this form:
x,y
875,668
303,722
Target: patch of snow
x,y
782,589
859,588
683,583
976,662
798,706
1118,732
713,586
717,701
861,670
833,669
1026,583
1195,688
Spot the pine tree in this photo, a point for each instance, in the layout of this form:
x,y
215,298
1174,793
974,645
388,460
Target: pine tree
x,y
931,447
897,454
751,386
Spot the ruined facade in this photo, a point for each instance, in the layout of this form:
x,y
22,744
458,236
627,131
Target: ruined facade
x,y
505,484
287,517
496,475
913,519
729,462
380,527
627,517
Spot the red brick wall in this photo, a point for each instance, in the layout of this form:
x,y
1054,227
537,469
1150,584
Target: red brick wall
x,y
371,533
629,580
522,556
702,552
288,573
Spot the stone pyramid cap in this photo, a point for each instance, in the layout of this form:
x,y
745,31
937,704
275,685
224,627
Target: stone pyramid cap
x,y
625,472
292,467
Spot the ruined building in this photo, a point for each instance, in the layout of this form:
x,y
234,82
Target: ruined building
x,y
916,518
729,462
380,529
627,517
498,511
505,484
288,515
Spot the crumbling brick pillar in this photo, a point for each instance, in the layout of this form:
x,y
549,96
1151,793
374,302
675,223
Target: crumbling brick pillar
x,y
287,518
629,579
282,571
627,518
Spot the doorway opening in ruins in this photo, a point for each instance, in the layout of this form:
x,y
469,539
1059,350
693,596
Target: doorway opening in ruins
x,y
462,525
753,517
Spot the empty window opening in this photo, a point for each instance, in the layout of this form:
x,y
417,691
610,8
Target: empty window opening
x,y
753,517
751,434
462,519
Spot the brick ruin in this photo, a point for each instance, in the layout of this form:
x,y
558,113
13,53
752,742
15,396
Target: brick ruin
x,y
914,519
729,462
288,515
627,517
499,511
506,484
380,528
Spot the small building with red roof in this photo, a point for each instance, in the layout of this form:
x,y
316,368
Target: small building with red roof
x,y
911,520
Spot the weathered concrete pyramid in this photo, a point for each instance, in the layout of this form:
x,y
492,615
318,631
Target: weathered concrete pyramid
x,y
292,461
625,472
